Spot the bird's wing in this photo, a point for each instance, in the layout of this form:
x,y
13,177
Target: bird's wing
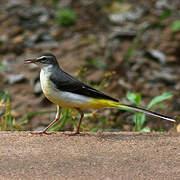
x,y
65,82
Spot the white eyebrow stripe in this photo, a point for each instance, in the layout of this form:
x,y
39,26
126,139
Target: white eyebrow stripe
x,y
41,57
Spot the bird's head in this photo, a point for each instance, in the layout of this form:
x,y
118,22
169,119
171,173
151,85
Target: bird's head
x,y
46,59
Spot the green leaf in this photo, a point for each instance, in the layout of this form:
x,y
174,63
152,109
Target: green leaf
x,y
175,26
66,17
95,129
139,119
158,99
165,14
160,130
97,63
2,67
146,129
130,52
134,97
4,95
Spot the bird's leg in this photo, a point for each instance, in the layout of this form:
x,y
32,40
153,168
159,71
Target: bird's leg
x,y
58,114
79,124
80,120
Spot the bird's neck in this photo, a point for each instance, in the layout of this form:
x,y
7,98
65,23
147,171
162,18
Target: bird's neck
x,y
48,68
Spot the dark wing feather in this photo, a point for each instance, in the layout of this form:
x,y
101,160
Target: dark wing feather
x,y
65,82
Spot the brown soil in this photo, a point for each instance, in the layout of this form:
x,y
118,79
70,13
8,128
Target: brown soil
x,y
92,156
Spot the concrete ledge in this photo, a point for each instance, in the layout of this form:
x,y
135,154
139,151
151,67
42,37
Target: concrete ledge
x,y
92,156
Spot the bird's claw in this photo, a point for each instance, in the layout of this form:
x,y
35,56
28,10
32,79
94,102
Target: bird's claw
x,y
42,133
75,134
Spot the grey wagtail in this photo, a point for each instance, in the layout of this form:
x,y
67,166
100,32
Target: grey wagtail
x,y
65,91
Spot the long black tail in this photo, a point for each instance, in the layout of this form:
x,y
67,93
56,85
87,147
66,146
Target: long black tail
x,y
128,107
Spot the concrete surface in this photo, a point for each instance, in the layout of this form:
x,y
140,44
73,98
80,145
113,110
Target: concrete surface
x,y
90,156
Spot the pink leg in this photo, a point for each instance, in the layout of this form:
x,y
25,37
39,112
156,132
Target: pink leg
x,y
79,124
51,124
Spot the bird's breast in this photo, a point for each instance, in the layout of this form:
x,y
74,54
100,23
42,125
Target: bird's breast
x,y
44,79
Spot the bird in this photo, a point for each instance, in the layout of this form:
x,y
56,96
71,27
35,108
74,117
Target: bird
x,y
66,91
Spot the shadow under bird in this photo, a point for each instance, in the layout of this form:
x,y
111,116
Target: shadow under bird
x,y
67,92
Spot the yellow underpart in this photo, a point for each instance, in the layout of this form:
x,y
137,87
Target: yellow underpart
x,y
92,104
100,103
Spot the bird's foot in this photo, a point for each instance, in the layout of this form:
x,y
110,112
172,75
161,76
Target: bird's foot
x,y
75,134
42,133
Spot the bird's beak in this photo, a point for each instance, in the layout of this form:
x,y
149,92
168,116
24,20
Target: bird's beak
x,y
29,61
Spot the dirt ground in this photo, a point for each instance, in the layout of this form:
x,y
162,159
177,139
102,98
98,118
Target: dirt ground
x,y
92,156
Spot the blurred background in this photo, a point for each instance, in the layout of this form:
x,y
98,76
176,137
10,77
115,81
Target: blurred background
x,y
128,49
